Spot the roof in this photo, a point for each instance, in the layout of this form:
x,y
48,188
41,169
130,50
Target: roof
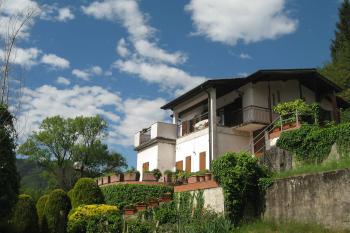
x,y
311,78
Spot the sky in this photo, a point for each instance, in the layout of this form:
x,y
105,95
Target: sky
x,y
124,59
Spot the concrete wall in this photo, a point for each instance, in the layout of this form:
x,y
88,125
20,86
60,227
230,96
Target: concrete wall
x,y
232,140
213,199
322,198
150,155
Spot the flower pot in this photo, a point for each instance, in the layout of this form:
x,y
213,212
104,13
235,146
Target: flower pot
x,y
207,176
201,178
165,199
153,204
193,179
141,207
168,178
106,180
129,211
130,176
116,178
277,129
147,176
99,181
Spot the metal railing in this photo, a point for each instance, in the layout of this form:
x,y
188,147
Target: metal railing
x,y
192,125
145,135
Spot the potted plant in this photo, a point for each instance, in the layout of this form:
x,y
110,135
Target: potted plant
x,y
131,175
106,180
168,175
157,173
153,202
148,176
129,210
166,197
207,175
181,177
117,177
141,206
201,176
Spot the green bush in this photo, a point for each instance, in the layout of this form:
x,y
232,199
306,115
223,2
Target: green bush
x,y
86,192
128,194
95,219
24,217
312,144
239,175
56,211
40,208
138,226
167,213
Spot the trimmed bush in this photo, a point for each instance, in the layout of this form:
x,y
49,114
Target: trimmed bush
x,y
56,211
24,217
95,219
40,208
129,194
86,192
239,175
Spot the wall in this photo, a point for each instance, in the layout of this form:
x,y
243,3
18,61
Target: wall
x,y
166,157
150,154
322,198
192,145
232,140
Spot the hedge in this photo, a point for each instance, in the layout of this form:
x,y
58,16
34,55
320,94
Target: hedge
x,y
56,211
128,194
40,208
85,192
95,219
24,217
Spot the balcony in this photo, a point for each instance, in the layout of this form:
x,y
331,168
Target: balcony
x,y
158,130
195,124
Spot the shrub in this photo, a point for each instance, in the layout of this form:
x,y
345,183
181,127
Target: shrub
x,y
157,173
138,226
40,208
56,211
85,192
127,194
239,175
24,217
95,219
166,213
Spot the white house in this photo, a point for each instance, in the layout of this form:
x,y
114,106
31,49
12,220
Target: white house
x,y
222,115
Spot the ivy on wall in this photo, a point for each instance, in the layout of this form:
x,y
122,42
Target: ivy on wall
x,y
312,144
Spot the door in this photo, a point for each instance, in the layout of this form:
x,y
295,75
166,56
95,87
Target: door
x,y
179,165
188,164
202,161
145,167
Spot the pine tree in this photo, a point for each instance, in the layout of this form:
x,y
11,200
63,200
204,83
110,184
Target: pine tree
x,y
342,33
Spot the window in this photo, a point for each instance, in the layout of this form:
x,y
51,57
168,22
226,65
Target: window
x,y
145,167
188,164
202,161
180,165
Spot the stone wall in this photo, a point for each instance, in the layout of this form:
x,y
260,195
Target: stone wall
x,y
277,159
322,198
213,199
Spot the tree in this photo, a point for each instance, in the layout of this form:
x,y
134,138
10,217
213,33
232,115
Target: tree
x,y
9,178
338,70
72,148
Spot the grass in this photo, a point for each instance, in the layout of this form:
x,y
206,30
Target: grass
x,y
290,227
314,168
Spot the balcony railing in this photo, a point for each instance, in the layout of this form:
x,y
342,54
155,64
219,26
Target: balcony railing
x,y
145,135
195,124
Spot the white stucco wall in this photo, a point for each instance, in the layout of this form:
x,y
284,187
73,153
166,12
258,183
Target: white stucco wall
x,y
192,145
150,155
166,157
232,141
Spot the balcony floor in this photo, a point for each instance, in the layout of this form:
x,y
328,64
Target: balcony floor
x,y
249,127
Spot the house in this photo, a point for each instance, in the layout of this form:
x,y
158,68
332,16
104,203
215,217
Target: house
x,y
222,115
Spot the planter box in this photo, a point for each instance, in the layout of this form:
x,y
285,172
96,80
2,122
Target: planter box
x,y
116,178
130,211
165,199
148,177
193,179
168,179
106,180
153,204
141,207
208,176
201,178
130,176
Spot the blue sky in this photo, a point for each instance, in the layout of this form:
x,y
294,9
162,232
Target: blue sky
x,y
123,59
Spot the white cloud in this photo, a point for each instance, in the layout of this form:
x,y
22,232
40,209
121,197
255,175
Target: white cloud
x,y
229,21
65,14
87,73
138,114
125,117
141,54
245,56
55,61
23,57
62,80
